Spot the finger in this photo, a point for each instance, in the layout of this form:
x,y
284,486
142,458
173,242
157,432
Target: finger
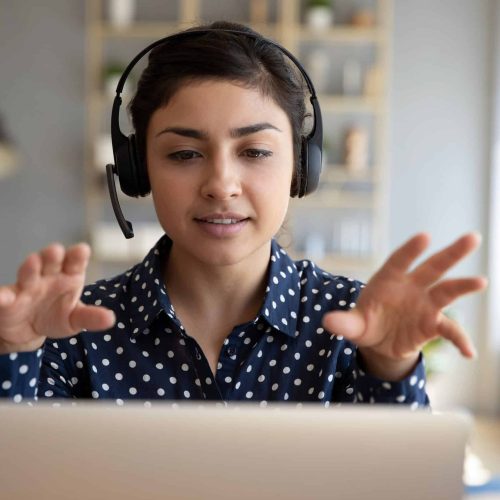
x,y
29,272
452,331
76,259
7,296
94,318
444,293
403,257
349,324
52,259
435,266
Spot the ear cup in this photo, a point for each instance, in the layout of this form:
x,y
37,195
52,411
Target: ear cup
x,y
140,171
313,168
132,175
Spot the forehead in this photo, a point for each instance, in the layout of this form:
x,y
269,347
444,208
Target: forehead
x,y
219,102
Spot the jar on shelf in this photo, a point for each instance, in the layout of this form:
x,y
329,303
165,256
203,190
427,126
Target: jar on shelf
x,y
319,14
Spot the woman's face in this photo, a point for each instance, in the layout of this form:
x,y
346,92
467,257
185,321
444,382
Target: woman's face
x,y
220,161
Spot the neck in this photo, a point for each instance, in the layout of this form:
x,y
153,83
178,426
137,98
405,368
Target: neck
x,y
231,293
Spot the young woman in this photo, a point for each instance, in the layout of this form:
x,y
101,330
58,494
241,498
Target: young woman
x,y
217,310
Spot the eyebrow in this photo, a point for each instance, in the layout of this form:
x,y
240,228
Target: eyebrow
x,y
235,132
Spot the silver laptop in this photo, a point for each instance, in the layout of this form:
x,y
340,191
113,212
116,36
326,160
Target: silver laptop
x,y
94,451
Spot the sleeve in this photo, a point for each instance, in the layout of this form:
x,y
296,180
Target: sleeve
x,y
40,374
19,375
61,376
361,387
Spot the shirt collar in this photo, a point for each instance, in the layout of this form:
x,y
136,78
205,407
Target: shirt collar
x,y
146,287
281,301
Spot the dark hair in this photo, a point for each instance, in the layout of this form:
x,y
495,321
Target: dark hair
x,y
220,55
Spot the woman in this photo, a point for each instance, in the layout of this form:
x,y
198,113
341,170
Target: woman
x,y
217,310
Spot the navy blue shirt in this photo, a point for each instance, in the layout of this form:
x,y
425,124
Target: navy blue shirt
x,y
283,354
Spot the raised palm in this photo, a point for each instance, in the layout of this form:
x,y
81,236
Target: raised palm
x,y
45,300
400,310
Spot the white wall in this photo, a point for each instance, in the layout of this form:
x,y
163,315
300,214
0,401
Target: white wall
x,y
440,144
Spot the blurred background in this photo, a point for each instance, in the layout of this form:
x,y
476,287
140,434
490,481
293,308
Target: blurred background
x,y
409,93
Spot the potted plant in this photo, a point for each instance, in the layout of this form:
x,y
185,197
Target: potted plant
x,y
319,14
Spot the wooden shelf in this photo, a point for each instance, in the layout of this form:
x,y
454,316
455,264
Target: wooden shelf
x,y
341,34
348,104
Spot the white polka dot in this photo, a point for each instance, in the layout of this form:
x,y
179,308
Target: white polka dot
x,y
413,380
306,319
32,382
160,392
249,394
286,370
187,394
105,362
132,391
228,380
261,378
348,351
387,385
401,398
421,383
132,363
95,395
297,381
6,385
321,395
184,367
105,387
118,376
146,377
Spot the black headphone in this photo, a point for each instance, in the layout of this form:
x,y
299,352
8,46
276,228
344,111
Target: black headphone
x,y
131,171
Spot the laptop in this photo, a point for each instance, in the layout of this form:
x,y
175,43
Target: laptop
x,y
96,451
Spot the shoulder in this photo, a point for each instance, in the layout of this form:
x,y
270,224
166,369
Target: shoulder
x,y
343,291
108,292
143,279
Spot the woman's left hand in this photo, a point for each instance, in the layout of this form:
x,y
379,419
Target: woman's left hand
x,y
399,310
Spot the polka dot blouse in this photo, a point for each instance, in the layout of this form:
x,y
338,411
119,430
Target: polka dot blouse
x,y
283,354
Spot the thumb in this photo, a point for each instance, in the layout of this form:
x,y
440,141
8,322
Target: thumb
x,y
93,318
349,324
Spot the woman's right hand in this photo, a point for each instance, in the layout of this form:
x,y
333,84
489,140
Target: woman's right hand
x,y
45,301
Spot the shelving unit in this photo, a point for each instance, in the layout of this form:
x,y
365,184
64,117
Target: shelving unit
x,y
347,202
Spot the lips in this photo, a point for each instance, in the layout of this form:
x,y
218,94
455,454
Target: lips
x,y
222,225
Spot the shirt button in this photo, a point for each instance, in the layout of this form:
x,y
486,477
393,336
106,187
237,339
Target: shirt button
x,y
231,351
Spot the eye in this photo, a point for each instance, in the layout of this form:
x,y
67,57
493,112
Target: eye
x,y
184,155
257,153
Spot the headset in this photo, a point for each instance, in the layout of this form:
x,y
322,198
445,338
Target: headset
x,y
131,170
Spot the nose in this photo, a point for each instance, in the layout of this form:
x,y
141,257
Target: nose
x,y
222,180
